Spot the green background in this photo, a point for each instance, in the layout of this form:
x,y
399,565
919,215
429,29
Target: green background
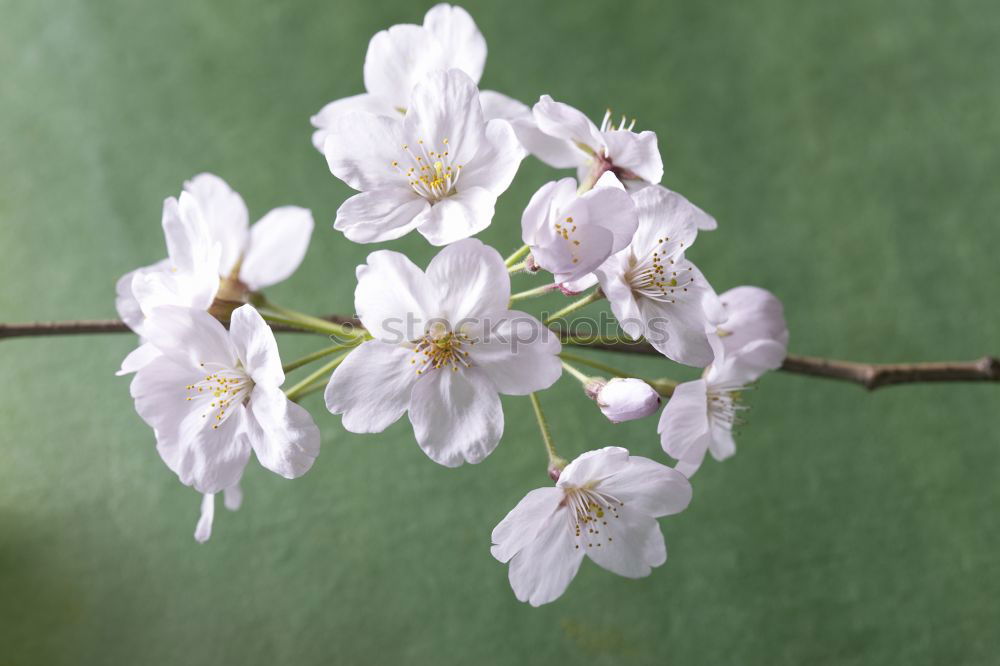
x,y
850,152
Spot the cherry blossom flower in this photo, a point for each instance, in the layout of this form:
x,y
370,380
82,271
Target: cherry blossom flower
x,y
633,157
438,170
654,291
571,235
700,416
403,55
212,396
623,398
212,253
604,505
232,498
445,345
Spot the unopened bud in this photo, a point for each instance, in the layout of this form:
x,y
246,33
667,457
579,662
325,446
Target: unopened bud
x,y
530,266
593,387
627,399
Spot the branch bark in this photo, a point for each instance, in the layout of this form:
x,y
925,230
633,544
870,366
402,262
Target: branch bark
x,y
869,375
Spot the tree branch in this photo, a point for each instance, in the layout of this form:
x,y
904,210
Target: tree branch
x,y
869,375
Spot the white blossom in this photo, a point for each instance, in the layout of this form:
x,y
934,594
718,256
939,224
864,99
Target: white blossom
x,y
654,291
604,506
445,345
212,396
439,169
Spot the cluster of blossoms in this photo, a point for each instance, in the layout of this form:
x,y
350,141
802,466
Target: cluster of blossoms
x,y
427,151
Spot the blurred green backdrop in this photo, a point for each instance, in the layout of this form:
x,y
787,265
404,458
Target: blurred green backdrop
x,y
850,152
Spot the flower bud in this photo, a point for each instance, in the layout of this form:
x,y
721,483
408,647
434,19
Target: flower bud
x,y
626,399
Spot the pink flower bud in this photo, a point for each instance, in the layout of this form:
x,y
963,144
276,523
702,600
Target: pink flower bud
x,y
626,399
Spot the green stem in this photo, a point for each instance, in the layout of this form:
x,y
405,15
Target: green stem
x,y
531,293
664,387
554,460
517,268
283,315
519,254
591,340
315,356
317,385
584,379
298,390
593,296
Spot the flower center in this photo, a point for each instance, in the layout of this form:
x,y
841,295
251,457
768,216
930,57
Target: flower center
x,y
655,278
221,389
441,348
567,231
590,511
725,405
430,173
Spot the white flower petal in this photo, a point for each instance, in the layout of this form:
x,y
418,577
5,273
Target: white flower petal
x,y
627,399
460,39
372,387
564,122
203,530
677,330
521,525
383,214
459,216
664,215
494,166
278,243
752,313
225,213
445,114
721,443
233,497
282,433
394,299
593,466
629,544
518,352
139,358
456,416
684,426
326,116
610,206
543,569
611,276
648,487
746,365
361,149
397,59
637,152
470,280
254,343
190,243
190,336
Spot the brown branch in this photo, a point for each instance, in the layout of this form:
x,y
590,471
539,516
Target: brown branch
x,y
869,375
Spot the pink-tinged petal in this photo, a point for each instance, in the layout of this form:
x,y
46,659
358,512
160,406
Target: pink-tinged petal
x,y
380,215
636,152
545,203
579,252
746,365
398,59
459,38
497,161
372,387
518,352
445,115
593,466
278,243
470,280
684,426
282,433
254,343
628,543
394,299
225,213
544,568
190,243
203,530
232,497
190,336
573,287
138,358
648,487
689,467
520,526
154,289
627,399
129,310
721,444
610,206
564,122
751,313
362,149
664,215
459,216
363,103
611,277
456,416
557,153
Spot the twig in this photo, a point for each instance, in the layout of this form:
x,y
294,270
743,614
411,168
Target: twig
x,y
869,375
